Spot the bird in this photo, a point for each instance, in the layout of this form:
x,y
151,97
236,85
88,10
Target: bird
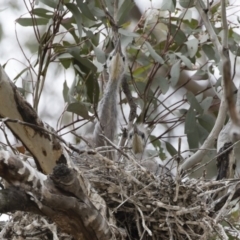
x,y
137,141
107,108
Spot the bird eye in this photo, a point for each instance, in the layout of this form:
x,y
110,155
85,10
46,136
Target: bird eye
x,y
105,65
130,135
110,57
142,135
123,58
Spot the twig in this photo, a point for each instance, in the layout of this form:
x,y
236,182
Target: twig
x,y
209,142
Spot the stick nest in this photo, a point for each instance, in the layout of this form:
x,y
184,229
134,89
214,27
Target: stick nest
x,y
158,207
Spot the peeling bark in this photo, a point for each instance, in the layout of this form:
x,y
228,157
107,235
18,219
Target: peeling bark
x,y
45,148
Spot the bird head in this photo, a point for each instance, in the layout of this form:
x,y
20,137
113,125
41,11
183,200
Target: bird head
x,y
116,62
137,139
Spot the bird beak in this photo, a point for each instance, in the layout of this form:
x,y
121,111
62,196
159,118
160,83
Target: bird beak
x,y
135,130
118,48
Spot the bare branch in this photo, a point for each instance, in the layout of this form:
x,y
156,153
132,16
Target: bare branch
x,y
209,142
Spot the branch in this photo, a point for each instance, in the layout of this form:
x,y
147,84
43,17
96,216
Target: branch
x,y
209,142
13,199
62,197
45,148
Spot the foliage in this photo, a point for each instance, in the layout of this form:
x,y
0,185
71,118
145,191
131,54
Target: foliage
x,y
167,51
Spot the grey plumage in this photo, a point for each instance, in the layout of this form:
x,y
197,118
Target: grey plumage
x,y
107,107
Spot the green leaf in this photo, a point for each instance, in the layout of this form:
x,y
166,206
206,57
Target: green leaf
x,y
162,82
168,5
96,11
193,140
124,10
190,121
202,132
70,29
79,108
56,4
207,121
100,55
206,103
29,22
175,73
153,53
85,9
194,103
65,92
177,34
185,60
127,33
210,52
77,16
41,12
141,70
19,74
66,62
234,47
192,46
158,146
75,52
191,129
92,89
172,151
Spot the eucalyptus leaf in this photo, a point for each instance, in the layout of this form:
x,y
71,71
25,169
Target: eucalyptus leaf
x,y
164,84
66,62
192,46
172,151
190,121
210,52
92,89
158,146
85,9
194,103
191,130
53,4
140,70
19,74
153,53
202,132
193,140
80,109
168,5
178,35
65,92
100,55
77,16
207,121
175,73
127,33
185,60
124,10
70,28
75,52
29,22
41,12
206,103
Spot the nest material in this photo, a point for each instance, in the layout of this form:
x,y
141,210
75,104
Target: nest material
x,y
28,226
158,207
145,206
